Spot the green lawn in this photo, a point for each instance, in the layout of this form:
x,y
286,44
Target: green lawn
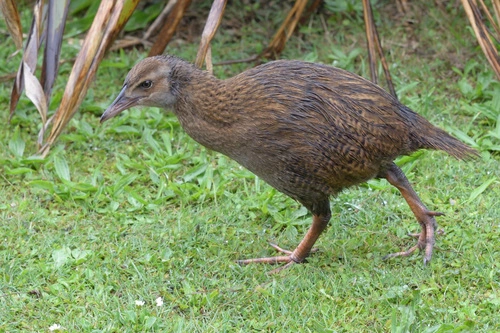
x,y
134,209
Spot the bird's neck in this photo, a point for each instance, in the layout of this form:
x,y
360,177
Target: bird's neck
x,y
202,106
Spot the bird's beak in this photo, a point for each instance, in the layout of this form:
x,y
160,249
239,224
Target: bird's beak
x,y
120,104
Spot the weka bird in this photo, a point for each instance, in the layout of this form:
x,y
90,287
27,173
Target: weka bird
x,y
309,130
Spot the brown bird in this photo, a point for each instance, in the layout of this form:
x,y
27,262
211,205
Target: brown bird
x,y
309,130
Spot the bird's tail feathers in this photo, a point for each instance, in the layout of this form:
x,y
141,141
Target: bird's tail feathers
x,y
438,139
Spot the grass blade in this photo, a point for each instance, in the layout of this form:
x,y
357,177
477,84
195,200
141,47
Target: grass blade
x,y
62,168
16,144
124,181
479,190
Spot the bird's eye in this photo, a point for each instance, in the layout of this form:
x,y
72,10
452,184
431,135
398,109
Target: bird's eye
x,y
146,84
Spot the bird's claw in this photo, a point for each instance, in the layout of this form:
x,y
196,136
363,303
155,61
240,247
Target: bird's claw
x,y
288,259
425,241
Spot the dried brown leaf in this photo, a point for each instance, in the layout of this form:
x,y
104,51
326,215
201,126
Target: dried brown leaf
x,y
474,15
486,11
108,22
213,21
279,40
374,48
17,89
496,9
30,54
169,27
34,91
56,21
156,25
11,16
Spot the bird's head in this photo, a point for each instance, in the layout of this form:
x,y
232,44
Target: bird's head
x,y
147,84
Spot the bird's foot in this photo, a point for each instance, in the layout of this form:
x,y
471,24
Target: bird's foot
x,y
425,240
288,259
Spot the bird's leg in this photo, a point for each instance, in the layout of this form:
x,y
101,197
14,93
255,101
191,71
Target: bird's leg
x,y
301,251
425,217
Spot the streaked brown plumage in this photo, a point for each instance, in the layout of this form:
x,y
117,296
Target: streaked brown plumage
x,y
309,130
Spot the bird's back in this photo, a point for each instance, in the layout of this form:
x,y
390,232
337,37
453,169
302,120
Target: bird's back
x,y
319,125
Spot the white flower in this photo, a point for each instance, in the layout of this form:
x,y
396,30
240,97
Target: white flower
x,y
159,301
55,327
139,303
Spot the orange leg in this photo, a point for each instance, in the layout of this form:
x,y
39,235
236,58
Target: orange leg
x,y
301,251
425,217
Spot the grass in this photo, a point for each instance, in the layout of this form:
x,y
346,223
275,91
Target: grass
x,y
135,210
